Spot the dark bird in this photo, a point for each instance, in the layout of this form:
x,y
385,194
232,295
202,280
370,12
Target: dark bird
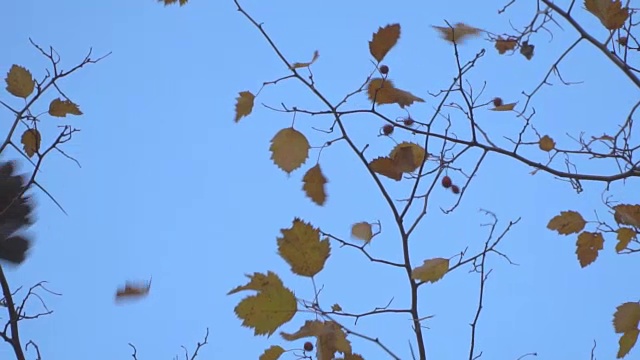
x,y
15,214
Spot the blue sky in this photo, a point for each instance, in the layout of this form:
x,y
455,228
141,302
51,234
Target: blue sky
x,y
171,188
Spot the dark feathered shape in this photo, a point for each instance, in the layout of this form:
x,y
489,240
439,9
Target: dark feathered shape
x,y
15,214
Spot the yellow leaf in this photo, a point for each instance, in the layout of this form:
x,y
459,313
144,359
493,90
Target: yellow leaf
x,y
504,45
625,235
170,2
301,247
299,65
458,33
386,167
272,353
272,307
568,222
19,81
546,143
313,186
627,214
505,107
626,317
244,104
362,231
384,40
431,270
31,142
330,338
290,149
336,307
587,247
133,291
611,13
408,156
61,108
383,91
626,342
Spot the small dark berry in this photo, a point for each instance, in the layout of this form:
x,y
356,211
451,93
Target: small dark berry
x,y
446,182
384,69
308,346
387,129
497,102
455,189
408,121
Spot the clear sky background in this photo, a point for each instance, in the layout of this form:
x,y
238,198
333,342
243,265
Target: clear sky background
x,y
171,188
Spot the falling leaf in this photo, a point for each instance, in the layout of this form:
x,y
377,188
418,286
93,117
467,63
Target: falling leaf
x,y
408,156
31,141
170,2
626,317
546,143
290,149
314,182
19,81
588,245
62,108
330,338
299,65
384,40
386,167
272,307
627,214
625,235
505,107
626,342
362,231
272,353
526,50
244,104
568,222
133,291
458,33
301,247
383,91
611,13
431,270
336,307
504,45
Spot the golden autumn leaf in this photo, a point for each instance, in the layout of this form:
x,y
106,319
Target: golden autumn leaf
x,y
336,307
362,231
458,33
272,307
627,214
19,81
289,149
588,246
383,92
504,107
568,222
546,143
625,235
272,353
301,247
244,104
626,343
31,141
611,13
313,185
626,317
133,291
431,270
408,156
383,40
170,2
330,338
299,65
386,167
504,45
62,108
